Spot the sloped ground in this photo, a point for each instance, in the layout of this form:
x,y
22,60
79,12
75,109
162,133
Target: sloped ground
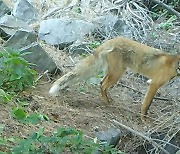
x,y
82,108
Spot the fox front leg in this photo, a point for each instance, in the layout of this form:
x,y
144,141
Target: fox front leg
x,y
153,87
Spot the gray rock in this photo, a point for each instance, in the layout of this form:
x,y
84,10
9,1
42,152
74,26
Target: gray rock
x,y
3,9
39,57
111,26
20,39
111,136
10,24
122,29
24,11
63,31
106,23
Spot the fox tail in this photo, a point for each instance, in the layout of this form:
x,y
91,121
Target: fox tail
x,y
87,68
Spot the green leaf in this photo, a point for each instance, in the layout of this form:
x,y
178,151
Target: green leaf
x,y
19,113
2,92
4,97
18,70
14,76
3,141
33,118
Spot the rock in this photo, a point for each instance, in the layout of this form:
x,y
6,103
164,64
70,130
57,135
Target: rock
x,y
122,29
111,136
63,31
26,42
106,22
24,11
20,39
3,9
79,48
111,26
10,24
39,57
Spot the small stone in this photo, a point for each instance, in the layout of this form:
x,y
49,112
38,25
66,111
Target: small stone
x,y
111,136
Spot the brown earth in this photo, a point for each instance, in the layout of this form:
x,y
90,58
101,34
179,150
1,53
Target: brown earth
x,y
82,108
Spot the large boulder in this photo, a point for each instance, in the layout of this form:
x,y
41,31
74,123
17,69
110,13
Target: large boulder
x,y
26,42
3,9
20,39
63,31
24,11
10,24
39,57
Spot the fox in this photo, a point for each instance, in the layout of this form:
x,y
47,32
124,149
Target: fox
x,y
116,56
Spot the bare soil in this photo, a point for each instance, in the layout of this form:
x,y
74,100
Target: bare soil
x,y
81,107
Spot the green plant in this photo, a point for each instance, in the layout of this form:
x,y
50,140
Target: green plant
x,y
94,44
22,116
15,71
4,97
168,24
64,140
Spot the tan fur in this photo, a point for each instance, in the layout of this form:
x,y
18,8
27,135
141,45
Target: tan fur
x,y
117,55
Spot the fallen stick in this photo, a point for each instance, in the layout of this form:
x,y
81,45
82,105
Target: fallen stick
x,y
165,6
159,98
41,75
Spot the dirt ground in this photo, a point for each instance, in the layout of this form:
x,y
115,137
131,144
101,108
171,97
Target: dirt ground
x,y
81,107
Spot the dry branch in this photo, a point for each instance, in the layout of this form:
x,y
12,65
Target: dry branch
x,y
158,98
171,10
140,135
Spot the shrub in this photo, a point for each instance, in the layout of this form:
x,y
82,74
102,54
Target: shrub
x,y
15,71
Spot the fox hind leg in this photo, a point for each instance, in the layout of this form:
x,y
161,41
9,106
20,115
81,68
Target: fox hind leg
x,y
114,72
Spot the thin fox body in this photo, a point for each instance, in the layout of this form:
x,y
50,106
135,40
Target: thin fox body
x,y
118,54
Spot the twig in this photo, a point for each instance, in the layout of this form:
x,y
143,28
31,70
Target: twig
x,y
41,75
71,59
171,10
167,143
51,12
159,98
141,135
